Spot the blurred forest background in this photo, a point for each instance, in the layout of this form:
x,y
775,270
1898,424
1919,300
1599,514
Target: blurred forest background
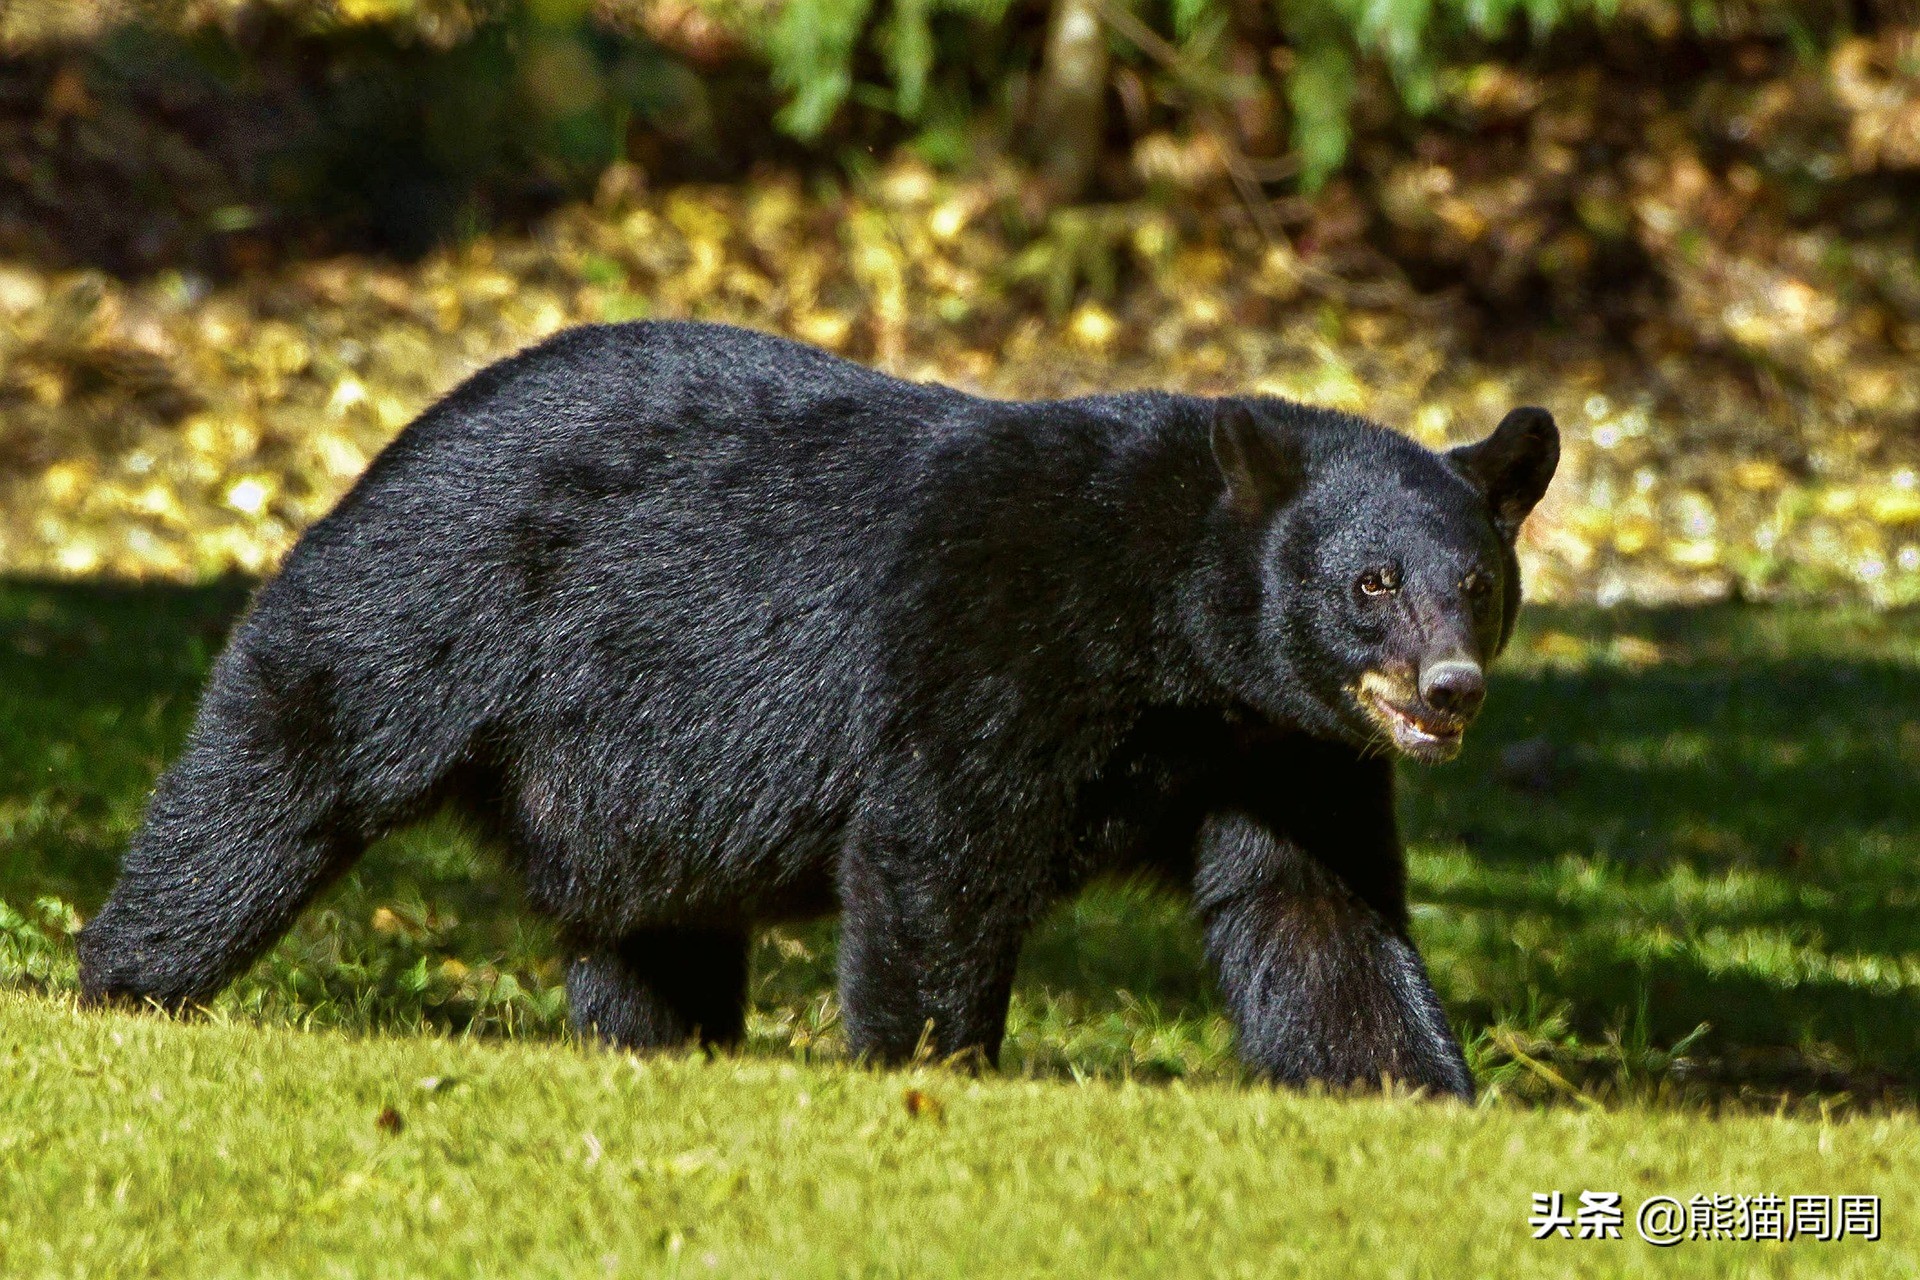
x,y
242,242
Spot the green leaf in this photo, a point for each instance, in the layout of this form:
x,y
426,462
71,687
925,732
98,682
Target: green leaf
x,y
1190,17
1321,91
812,49
909,50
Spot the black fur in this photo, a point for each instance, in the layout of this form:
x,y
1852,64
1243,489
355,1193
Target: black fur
x,y
710,630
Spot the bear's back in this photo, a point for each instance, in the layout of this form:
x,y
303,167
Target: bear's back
x,y
669,534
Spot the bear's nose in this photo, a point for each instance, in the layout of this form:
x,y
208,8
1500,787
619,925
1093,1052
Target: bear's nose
x,y
1455,687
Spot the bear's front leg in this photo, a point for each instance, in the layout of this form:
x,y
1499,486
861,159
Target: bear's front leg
x,y
925,965
1323,984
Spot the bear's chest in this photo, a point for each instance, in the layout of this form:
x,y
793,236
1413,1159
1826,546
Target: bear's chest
x,y
1142,809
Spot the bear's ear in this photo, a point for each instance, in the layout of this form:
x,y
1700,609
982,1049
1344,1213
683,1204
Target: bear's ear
x,y
1263,465
1513,466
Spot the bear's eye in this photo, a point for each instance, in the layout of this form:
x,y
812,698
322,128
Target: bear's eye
x,y
1379,582
1476,584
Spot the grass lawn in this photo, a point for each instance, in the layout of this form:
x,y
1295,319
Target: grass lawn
x,y
130,1146
1670,889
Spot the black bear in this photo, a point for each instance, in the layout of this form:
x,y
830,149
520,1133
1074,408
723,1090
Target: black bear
x,y
708,629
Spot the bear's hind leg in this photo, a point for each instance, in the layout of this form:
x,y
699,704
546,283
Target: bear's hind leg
x,y
660,988
242,832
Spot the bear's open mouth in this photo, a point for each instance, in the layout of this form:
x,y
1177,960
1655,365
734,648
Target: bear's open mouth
x,y
1421,733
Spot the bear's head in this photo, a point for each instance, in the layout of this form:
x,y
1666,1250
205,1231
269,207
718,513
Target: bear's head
x,y
1365,582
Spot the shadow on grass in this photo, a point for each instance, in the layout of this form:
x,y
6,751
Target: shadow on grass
x,y
1667,819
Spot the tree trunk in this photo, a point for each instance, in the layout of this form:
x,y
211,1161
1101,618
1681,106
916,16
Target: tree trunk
x,y
1070,110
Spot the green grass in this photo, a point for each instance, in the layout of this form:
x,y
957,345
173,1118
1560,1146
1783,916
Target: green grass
x,y
130,1146
1669,890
